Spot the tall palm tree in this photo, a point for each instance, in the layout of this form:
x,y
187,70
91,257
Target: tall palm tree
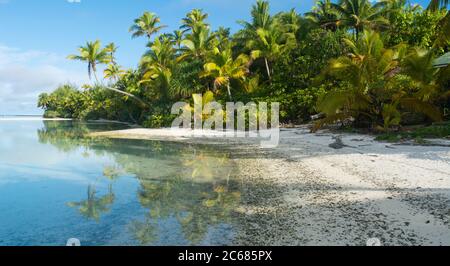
x,y
392,8
146,25
194,21
113,72
197,44
266,36
161,53
111,48
261,17
360,15
177,36
269,44
222,36
223,68
393,4
324,15
157,65
291,20
93,54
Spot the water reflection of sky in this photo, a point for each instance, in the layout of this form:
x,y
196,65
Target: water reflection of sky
x,y
54,187
23,158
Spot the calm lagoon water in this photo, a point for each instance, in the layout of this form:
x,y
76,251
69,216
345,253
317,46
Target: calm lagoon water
x,y
56,184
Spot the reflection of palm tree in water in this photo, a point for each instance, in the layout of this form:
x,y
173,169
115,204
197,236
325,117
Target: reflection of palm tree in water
x,y
192,187
93,207
198,197
111,172
215,208
203,167
144,232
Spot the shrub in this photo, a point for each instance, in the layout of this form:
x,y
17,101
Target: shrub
x,y
299,105
51,114
158,121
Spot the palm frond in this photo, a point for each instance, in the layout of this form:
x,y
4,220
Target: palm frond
x,y
419,106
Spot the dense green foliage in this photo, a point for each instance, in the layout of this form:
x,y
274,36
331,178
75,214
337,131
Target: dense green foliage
x,y
352,61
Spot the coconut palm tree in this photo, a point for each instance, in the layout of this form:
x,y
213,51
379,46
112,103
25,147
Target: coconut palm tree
x,y
194,21
44,100
268,37
372,96
223,68
269,44
146,25
157,65
222,36
430,81
93,54
392,5
177,36
261,18
324,15
360,15
365,71
111,48
392,8
197,44
290,21
113,72
161,53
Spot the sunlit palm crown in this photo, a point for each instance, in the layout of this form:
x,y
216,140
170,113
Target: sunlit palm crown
x,y
360,14
146,25
93,54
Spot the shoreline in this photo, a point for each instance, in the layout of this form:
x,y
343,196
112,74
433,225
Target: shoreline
x,y
31,118
41,118
312,194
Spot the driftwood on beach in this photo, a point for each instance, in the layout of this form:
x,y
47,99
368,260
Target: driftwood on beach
x,y
317,116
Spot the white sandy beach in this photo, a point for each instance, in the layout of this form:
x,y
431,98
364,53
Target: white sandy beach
x,y
306,193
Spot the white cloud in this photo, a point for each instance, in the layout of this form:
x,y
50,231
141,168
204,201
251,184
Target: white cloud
x,y
26,74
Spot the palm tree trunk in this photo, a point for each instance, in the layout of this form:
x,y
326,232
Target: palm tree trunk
x,y
89,71
229,91
121,92
127,94
95,76
267,68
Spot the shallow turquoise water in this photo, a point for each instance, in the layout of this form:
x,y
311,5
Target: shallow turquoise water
x,y
56,184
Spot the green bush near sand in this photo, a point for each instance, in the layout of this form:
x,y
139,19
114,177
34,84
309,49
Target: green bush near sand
x,y
437,130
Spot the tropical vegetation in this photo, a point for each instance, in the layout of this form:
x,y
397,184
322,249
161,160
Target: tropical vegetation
x,y
348,62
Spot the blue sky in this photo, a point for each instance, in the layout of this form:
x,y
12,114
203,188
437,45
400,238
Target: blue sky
x,y
36,36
